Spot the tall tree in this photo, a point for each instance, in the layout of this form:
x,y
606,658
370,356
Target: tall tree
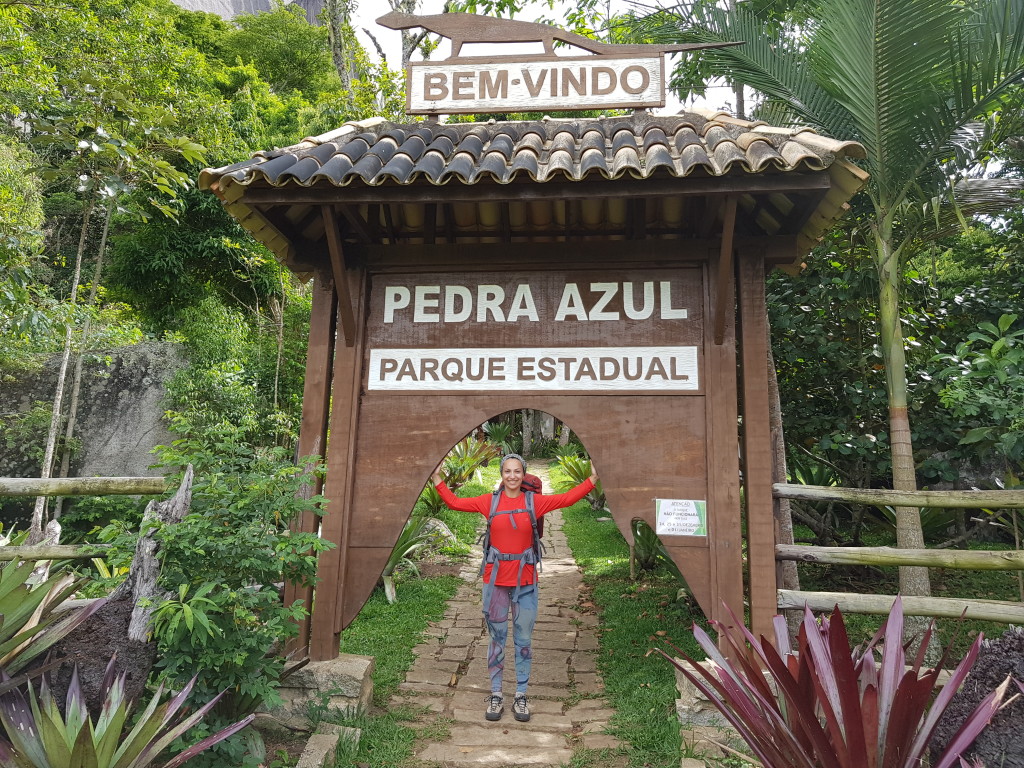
x,y
927,86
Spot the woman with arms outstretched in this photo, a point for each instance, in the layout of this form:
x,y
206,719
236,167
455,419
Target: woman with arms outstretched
x,y
510,578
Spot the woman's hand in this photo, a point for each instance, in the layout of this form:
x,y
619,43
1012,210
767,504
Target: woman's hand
x,y
435,477
593,473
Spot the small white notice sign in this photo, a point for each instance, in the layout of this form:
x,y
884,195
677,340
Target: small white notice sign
x,y
681,517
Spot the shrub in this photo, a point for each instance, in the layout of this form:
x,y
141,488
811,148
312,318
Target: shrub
x,y
828,705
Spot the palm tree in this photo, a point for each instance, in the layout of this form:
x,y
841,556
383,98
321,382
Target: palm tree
x,y
927,86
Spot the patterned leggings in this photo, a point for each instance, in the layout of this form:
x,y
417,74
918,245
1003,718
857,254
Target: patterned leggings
x,y
497,604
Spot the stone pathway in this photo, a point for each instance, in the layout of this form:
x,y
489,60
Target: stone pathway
x,y
449,675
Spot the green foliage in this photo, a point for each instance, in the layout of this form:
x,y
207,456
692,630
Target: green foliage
x,y
465,461
577,470
650,552
985,389
223,562
289,52
499,434
41,736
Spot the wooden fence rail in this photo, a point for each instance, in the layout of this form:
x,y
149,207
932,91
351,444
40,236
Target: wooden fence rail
x,y
53,552
975,560
82,486
881,497
939,607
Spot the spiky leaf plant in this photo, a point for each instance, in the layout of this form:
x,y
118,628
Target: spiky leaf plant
x,y
578,470
826,705
465,460
29,625
38,736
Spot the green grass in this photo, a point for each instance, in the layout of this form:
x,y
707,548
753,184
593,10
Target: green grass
x,y
639,686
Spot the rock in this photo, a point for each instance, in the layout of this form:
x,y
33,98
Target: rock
x,y
344,683
1000,743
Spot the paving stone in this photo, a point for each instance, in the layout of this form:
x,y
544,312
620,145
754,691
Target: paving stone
x,y
548,673
551,691
597,726
454,654
424,687
499,735
588,705
599,741
430,664
538,721
470,623
587,642
588,682
692,762
431,676
583,662
457,638
452,756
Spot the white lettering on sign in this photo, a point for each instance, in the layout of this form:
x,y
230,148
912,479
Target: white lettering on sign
x,y
589,82
641,369
491,303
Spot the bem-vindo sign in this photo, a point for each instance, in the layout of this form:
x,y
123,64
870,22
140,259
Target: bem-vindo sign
x,y
594,82
616,77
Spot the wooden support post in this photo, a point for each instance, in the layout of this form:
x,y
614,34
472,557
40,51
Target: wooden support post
x,y
939,607
757,444
345,314
347,376
726,576
723,286
82,486
316,398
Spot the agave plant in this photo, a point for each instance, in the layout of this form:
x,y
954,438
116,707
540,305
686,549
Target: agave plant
x,y
466,459
29,625
578,470
649,550
38,736
825,705
499,434
415,535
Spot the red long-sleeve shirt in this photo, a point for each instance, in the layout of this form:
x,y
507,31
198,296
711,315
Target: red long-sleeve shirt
x,y
504,537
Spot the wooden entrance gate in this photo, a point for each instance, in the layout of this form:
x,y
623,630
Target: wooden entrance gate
x,y
607,271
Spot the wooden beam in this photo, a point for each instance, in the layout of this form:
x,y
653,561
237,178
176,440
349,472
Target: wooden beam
x,y
725,270
880,605
345,314
316,397
357,223
722,470
389,224
83,486
880,497
967,559
53,552
430,223
449,223
344,420
551,254
757,442
529,190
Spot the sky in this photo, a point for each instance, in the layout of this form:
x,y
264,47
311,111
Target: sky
x,y
718,97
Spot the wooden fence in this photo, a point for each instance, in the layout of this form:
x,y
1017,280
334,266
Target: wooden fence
x,y
988,610
73,486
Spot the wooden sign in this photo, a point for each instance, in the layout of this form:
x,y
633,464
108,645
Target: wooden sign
x,y
590,82
554,331
619,76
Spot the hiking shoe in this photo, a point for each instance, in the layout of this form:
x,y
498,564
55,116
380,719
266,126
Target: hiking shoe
x,y
520,709
495,706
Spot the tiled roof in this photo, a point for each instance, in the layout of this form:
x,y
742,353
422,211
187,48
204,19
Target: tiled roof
x,y
697,143
696,147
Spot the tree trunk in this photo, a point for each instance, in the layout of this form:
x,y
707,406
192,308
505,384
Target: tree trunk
x,y
338,13
913,581
527,432
787,574
564,434
547,425
76,379
38,511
